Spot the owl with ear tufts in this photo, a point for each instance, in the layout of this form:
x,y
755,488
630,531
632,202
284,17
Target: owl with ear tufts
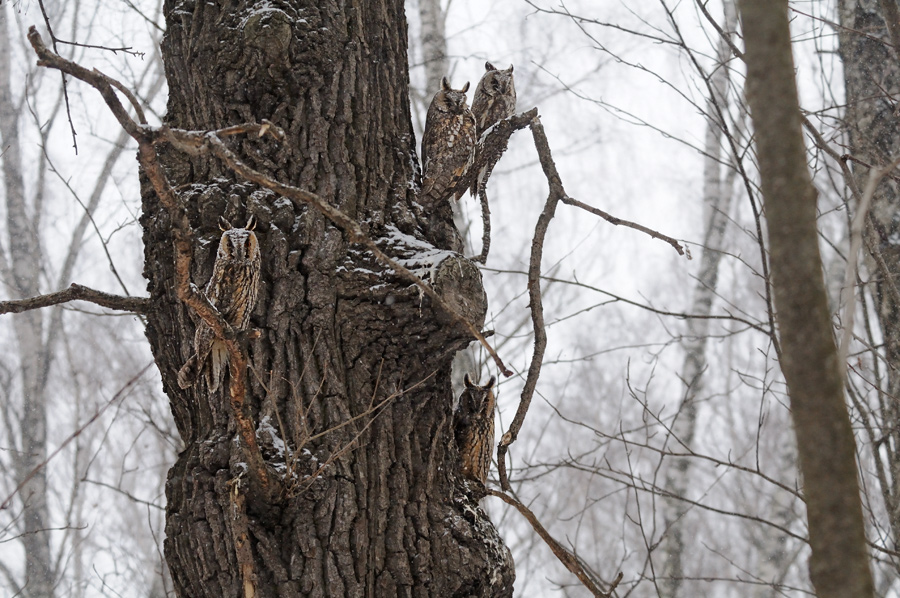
x,y
473,428
232,290
495,97
448,143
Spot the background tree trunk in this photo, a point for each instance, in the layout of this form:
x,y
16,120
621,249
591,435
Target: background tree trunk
x,y
717,195
871,74
350,380
839,566
21,275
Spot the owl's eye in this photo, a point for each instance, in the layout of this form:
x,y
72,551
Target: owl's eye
x,y
496,85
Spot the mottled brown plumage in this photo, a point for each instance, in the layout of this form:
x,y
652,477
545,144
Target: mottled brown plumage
x,y
448,143
232,290
495,98
473,428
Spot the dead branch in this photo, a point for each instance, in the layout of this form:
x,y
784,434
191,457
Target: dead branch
x,y
572,562
76,292
619,222
557,192
486,227
490,148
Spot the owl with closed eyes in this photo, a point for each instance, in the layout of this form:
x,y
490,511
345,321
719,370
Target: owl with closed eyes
x,y
495,97
473,428
232,290
448,143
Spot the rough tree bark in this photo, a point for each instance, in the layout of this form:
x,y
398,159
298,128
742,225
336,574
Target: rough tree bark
x,y
871,76
839,565
349,382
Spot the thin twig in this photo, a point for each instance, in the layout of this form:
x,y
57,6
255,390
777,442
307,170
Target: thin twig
x,y
64,85
849,158
618,221
571,562
5,504
124,49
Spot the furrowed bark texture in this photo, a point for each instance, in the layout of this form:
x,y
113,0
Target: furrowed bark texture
x,y
839,564
871,73
349,383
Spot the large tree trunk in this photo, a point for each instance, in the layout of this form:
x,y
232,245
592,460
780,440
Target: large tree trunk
x,y
872,79
350,380
839,565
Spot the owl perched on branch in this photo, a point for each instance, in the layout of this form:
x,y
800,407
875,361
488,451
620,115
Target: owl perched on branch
x,y
473,428
232,290
448,143
495,97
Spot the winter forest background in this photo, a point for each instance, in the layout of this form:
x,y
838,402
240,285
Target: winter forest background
x,y
659,442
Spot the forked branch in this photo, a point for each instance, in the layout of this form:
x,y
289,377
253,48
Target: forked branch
x,y
557,194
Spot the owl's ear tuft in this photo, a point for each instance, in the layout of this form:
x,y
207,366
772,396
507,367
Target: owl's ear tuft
x,y
224,224
489,67
490,383
465,87
445,84
468,381
251,223
510,69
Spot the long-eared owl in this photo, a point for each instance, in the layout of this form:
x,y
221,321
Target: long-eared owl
x,y
473,428
448,143
495,97
232,290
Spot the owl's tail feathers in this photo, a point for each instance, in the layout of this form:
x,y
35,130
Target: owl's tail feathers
x,y
187,375
218,361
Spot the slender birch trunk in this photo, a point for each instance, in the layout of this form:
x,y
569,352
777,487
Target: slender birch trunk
x,y
717,198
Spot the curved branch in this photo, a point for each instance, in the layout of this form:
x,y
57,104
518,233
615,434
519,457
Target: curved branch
x,y
557,192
